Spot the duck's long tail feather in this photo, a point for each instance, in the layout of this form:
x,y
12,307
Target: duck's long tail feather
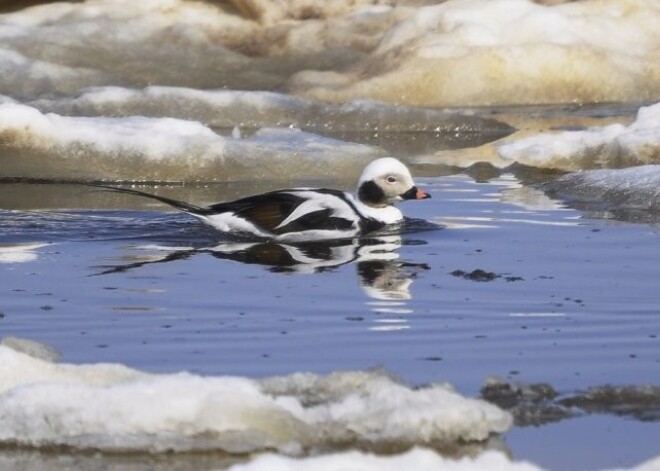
x,y
182,205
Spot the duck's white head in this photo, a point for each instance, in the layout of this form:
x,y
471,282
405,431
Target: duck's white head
x,y
386,181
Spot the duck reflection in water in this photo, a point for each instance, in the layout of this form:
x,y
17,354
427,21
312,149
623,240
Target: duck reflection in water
x,y
381,275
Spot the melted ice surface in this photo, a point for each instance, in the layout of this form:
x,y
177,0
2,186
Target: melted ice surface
x,y
113,408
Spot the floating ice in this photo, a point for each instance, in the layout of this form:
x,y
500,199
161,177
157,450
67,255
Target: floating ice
x,y
610,146
475,52
49,146
630,188
414,460
6,99
282,153
114,408
31,348
540,403
19,253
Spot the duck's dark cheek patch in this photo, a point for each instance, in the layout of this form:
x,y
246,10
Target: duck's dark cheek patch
x,y
369,192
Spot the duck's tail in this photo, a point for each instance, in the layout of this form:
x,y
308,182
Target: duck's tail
x,y
182,205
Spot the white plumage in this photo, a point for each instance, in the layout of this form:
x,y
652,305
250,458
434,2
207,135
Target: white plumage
x,y
303,214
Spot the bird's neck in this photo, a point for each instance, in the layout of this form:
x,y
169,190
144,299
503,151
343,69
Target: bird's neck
x,y
386,214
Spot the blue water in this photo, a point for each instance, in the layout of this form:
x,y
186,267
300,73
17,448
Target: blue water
x,y
572,301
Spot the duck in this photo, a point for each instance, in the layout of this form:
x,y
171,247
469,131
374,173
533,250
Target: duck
x,y
310,214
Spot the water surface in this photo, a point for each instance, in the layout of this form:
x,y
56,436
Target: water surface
x,y
509,283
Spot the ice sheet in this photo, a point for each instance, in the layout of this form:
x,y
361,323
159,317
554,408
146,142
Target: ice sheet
x,y
256,109
50,146
609,146
19,253
114,408
416,459
631,188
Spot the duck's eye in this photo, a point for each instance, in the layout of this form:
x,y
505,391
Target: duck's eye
x,y
391,179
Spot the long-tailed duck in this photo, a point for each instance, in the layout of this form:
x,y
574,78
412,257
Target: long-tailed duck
x,y
304,214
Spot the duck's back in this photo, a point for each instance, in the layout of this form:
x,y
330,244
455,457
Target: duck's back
x,y
292,214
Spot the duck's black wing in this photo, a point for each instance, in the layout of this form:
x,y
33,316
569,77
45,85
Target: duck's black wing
x,y
272,211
